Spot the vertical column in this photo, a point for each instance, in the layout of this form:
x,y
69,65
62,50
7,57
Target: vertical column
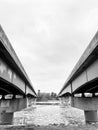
x,y
6,118
90,116
89,105
8,107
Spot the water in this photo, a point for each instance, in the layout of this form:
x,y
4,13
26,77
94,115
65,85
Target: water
x,y
49,114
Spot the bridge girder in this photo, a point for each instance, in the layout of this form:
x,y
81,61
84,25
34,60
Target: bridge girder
x,y
85,73
15,79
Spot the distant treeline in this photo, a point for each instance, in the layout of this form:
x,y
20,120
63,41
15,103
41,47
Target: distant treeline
x,y
46,96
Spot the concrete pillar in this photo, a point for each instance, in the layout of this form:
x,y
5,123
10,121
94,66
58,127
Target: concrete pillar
x,y
6,118
90,116
8,107
89,105
31,101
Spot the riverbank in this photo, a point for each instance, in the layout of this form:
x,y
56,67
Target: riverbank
x,y
50,127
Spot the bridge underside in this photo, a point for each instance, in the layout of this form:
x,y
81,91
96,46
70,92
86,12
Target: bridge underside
x,y
89,87
8,88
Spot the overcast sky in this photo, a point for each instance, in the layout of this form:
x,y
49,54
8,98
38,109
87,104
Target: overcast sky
x,y
49,36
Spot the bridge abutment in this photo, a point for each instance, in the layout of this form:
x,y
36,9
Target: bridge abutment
x,y
8,107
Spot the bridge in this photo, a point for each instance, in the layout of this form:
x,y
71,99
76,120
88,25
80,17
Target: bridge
x,y
15,86
82,83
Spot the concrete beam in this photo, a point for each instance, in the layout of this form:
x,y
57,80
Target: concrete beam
x,y
80,80
83,80
92,71
12,105
85,103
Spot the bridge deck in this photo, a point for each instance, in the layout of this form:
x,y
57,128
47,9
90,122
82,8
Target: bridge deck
x,y
88,57
8,55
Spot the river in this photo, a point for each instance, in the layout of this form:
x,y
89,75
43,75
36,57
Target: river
x,y
49,115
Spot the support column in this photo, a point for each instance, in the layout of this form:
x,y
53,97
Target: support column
x,y
6,118
90,116
31,101
89,105
8,107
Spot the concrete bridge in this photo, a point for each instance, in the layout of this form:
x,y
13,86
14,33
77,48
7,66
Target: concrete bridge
x,y
15,85
82,83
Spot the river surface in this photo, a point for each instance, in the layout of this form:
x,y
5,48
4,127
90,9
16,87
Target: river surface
x,y
49,115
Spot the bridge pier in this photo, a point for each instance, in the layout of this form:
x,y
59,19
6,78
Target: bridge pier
x,y
89,105
8,107
31,101
6,118
65,100
91,116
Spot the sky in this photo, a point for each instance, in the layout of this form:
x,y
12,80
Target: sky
x,y
49,36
